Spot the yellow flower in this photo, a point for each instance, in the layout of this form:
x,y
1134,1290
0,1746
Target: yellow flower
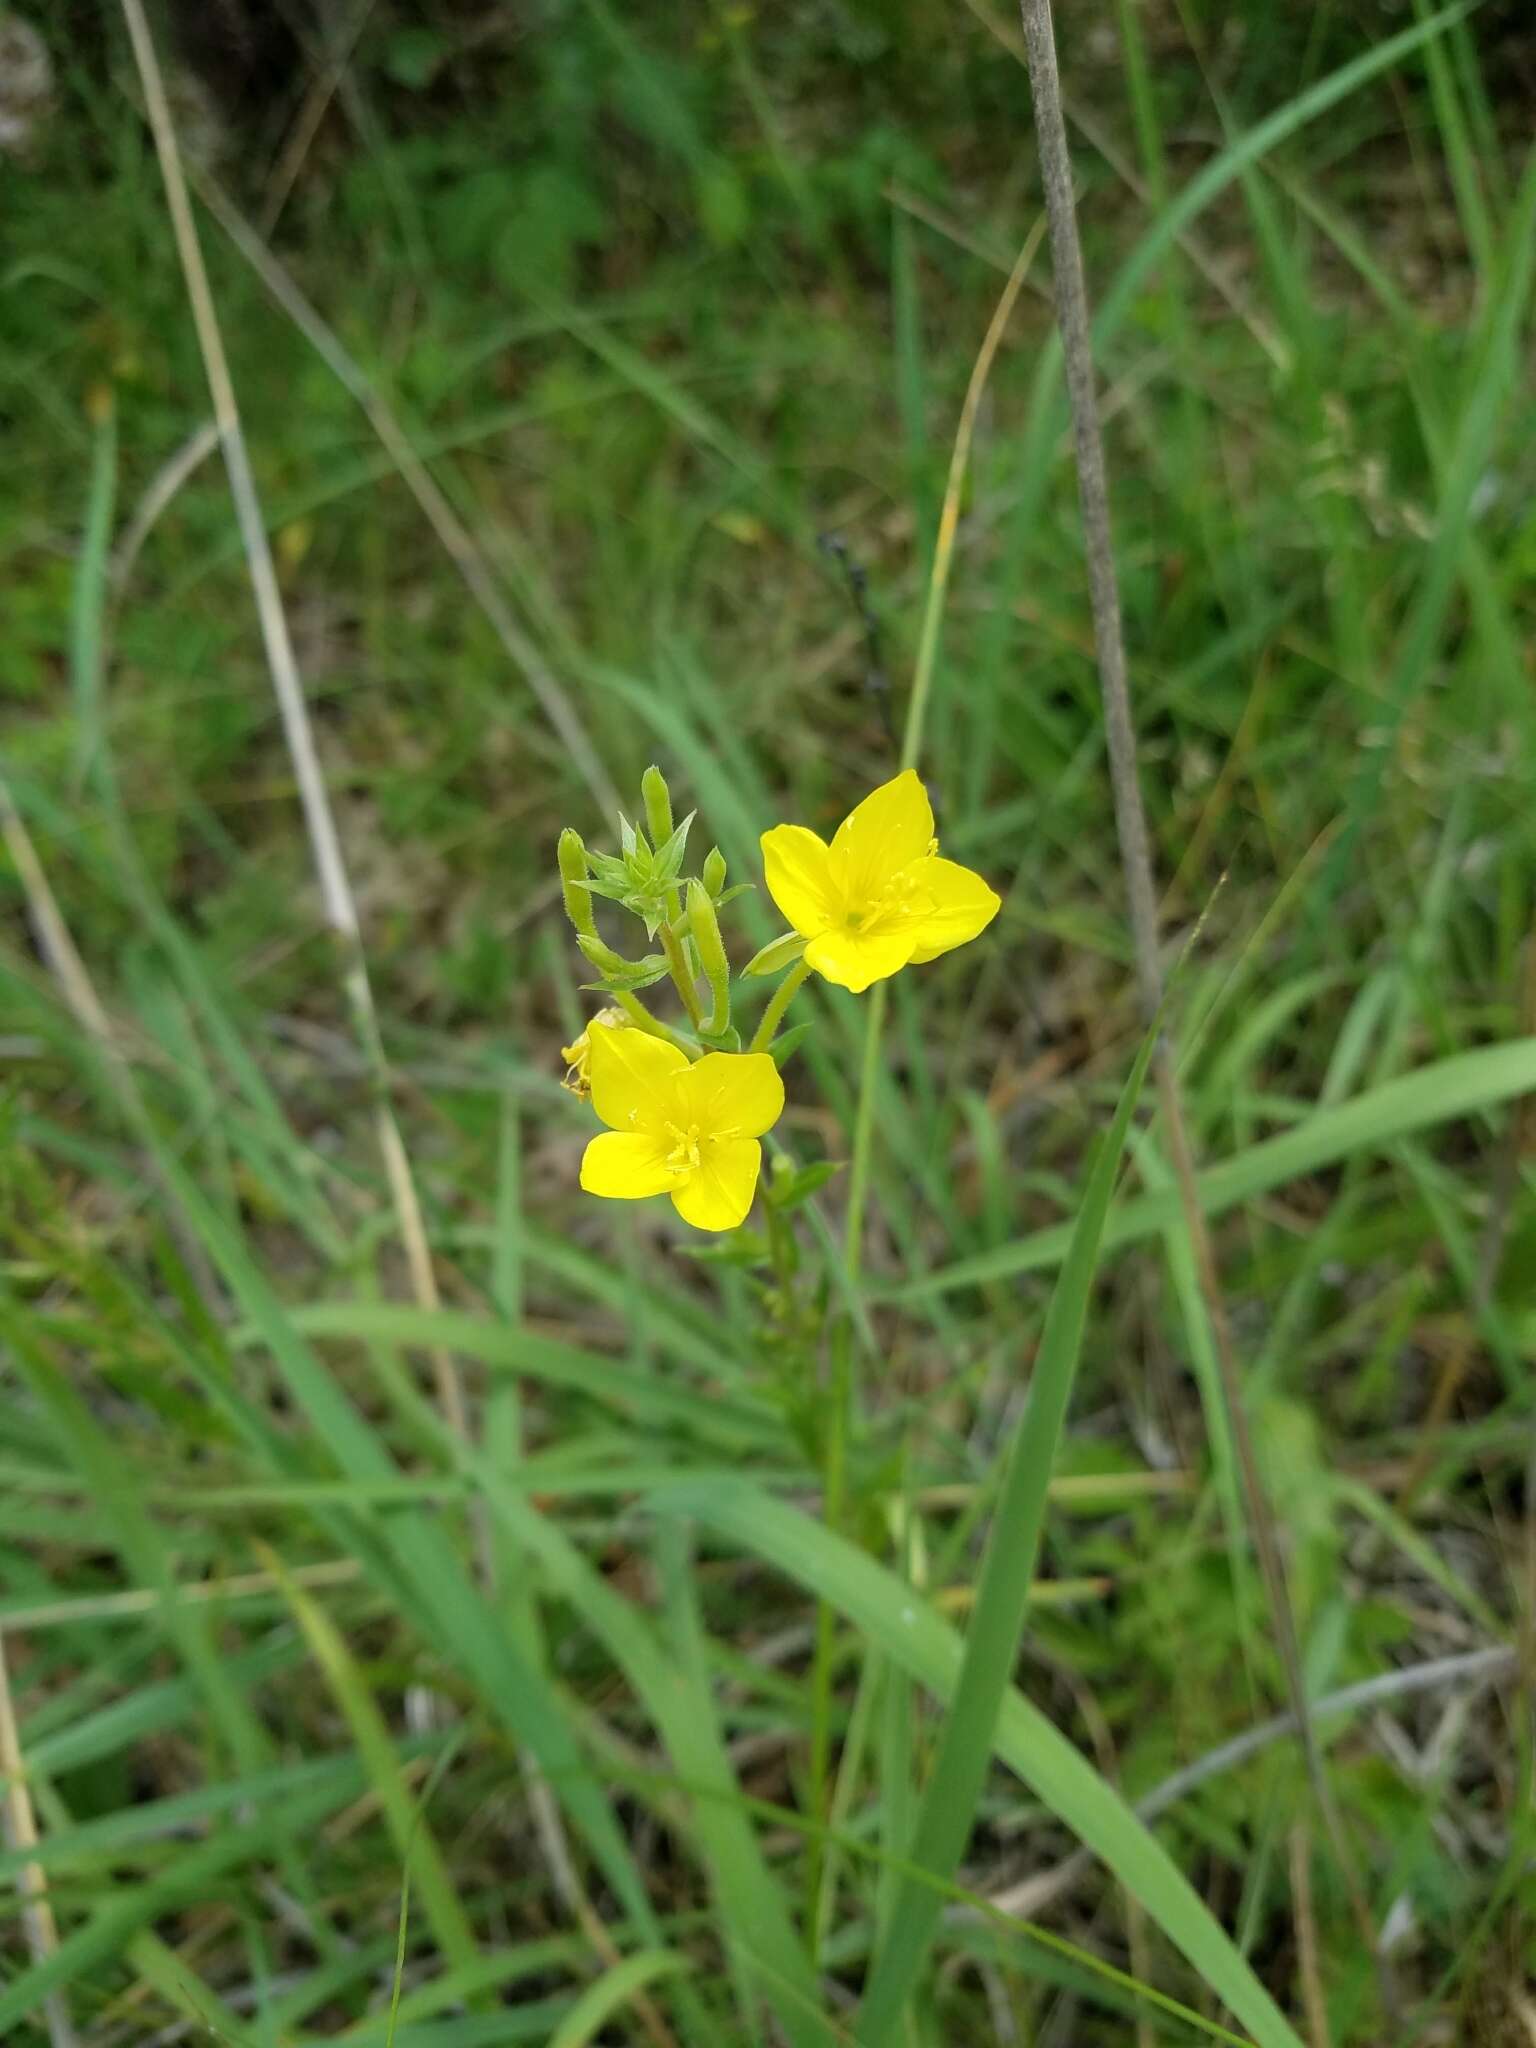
x,y
578,1057
685,1130
878,898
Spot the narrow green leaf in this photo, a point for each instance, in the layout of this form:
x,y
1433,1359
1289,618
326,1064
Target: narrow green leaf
x,y
732,1424
1462,1085
900,1623
948,1806
612,1992
443,1601
415,1844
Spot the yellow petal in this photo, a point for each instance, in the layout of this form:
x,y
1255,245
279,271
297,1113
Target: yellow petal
x,y
627,1165
734,1094
891,829
633,1079
963,905
855,959
718,1193
797,867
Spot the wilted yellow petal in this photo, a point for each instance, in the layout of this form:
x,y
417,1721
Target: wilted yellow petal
x,y
854,959
963,905
797,866
891,829
718,1193
627,1165
734,1094
633,1079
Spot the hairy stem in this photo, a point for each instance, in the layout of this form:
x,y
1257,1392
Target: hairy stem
x,y
682,974
778,1003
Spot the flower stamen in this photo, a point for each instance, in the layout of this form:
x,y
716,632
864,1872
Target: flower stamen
x,y
684,1156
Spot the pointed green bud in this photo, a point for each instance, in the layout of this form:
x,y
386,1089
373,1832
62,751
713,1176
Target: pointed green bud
x,y
713,871
573,872
658,805
705,929
776,955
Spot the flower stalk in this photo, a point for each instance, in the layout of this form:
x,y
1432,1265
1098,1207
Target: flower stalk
x,y
778,1003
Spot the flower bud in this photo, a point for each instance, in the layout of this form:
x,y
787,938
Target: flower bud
x,y
573,872
705,927
658,805
713,871
776,955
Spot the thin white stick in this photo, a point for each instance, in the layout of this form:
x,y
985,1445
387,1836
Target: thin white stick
x,y
1472,1667
330,865
460,545
162,489
21,1825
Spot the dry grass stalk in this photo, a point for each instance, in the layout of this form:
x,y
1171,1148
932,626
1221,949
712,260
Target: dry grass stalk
x,y
21,1827
1136,862
330,865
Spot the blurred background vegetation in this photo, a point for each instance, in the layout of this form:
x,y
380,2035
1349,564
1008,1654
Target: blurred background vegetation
x,y
679,305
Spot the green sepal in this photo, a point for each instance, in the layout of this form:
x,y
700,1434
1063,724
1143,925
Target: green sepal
x,y
739,1247
786,1191
777,954
667,860
721,1041
630,984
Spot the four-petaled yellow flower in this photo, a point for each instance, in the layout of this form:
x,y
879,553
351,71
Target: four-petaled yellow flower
x,y
878,898
688,1130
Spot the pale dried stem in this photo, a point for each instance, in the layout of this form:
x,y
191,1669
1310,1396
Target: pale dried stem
x,y
460,545
1473,1667
322,88
1136,861
1211,268
335,887
21,1826
162,488
1308,1964
56,945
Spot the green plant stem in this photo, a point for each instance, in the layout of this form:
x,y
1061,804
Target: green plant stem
x,y
834,1497
642,1020
863,1132
677,961
835,1452
778,1003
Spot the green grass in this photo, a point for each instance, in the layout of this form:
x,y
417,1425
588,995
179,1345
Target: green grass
x,y
337,1727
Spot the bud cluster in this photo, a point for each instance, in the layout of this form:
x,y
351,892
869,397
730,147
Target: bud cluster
x,y
646,878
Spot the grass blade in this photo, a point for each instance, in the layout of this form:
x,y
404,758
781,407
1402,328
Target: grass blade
x,y
1464,1085
911,1635
600,2001
949,1802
